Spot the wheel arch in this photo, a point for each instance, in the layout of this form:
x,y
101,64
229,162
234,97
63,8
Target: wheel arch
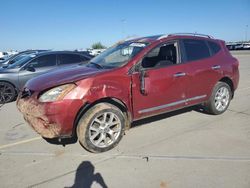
x,y
16,88
111,100
228,81
11,83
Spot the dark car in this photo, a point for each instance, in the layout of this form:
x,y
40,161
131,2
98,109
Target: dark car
x,y
132,80
86,53
14,76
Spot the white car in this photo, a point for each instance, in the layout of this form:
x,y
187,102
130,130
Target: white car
x,y
238,46
96,52
3,55
246,46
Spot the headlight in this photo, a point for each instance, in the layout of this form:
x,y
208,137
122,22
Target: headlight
x,y
56,93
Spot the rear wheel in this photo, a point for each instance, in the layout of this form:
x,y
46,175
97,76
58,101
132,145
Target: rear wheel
x,y
7,92
101,128
220,98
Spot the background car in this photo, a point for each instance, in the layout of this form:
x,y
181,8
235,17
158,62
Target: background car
x,y
12,59
86,53
3,55
238,46
95,52
231,46
14,76
246,46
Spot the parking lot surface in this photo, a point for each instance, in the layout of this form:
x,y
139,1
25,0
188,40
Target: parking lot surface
x,y
185,148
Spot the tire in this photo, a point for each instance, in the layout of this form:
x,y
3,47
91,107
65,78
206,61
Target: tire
x,y
97,132
7,92
220,99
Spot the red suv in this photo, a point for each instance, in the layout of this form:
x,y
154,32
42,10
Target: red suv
x,y
132,80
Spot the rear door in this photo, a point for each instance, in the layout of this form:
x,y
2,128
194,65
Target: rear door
x,y
164,82
37,66
203,68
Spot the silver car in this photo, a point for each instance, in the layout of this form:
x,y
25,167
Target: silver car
x,y
14,76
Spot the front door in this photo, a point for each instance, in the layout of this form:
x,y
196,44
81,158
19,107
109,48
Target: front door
x,y
38,66
161,83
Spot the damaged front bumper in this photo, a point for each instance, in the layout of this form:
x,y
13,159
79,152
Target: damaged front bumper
x,y
35,114
50,119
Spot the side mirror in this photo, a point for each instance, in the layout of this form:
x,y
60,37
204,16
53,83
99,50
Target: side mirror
x,y
31,68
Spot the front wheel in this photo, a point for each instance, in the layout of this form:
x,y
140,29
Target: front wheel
x,y
220,98
7,92
101,128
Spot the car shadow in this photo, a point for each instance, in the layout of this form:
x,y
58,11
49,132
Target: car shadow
x,y
85,176
62,141
155,118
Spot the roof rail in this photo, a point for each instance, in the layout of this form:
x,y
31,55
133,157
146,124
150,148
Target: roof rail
x,y
185,34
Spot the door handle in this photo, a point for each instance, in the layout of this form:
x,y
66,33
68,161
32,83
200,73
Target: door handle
x,y
179,74
216,67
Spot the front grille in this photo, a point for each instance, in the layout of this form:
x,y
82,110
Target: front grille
x,y
26,93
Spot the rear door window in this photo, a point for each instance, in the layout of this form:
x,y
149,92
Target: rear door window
x,y
44,61
64,59
196,49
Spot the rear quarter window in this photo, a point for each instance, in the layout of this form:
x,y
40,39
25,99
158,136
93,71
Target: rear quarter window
x,y
196,49
214,47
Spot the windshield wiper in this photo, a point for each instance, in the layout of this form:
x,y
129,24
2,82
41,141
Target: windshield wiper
x,y
96,65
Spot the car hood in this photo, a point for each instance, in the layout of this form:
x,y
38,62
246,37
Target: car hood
x,y
61,76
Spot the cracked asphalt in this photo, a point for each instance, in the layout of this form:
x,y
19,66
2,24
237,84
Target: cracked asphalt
x,y
185,148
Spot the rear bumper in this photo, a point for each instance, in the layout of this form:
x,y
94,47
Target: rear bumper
x,y
52,119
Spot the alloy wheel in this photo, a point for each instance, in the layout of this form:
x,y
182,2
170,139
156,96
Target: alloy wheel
x,y
222,98
105,129
6,93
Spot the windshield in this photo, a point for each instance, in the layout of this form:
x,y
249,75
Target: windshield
x,y
21,62
17,58
117,55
